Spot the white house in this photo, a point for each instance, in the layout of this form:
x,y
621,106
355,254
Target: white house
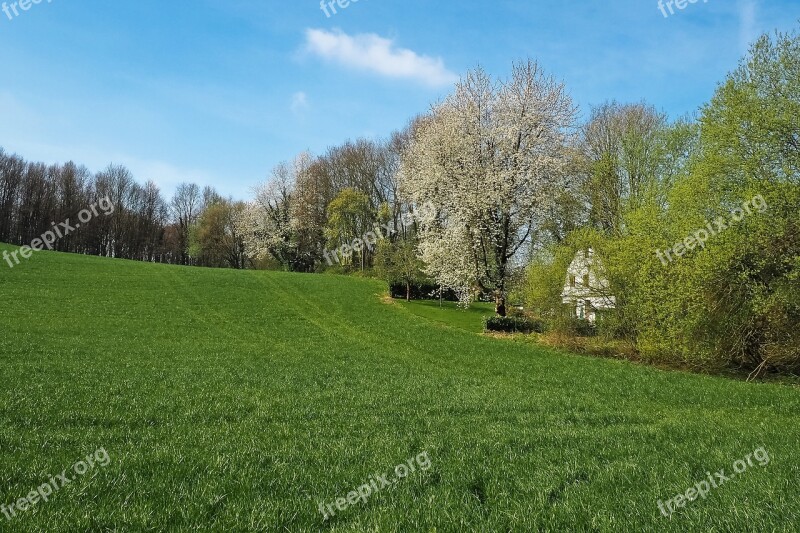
x,y
586,291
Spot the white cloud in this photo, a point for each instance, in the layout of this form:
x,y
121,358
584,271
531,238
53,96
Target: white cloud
x,y
376,54
299,102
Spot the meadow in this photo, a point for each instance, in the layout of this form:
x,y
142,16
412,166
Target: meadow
x,y
242,400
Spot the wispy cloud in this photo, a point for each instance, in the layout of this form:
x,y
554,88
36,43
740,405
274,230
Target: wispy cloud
x,y
299,102
373,53
748,28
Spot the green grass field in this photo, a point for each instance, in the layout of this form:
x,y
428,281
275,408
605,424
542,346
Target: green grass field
x,y
450,314
240,401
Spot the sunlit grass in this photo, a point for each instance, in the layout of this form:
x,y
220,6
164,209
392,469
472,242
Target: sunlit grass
x,y
451,314
239,401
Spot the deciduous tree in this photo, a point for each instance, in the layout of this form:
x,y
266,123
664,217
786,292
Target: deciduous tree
x,y
491,159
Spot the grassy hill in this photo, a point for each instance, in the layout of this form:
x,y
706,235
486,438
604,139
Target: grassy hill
x,y
240,401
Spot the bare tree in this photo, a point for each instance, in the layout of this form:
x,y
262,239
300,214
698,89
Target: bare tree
x,y
185,209
622,149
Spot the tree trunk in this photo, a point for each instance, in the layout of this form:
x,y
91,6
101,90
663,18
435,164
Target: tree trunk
x,y
500,305
408,291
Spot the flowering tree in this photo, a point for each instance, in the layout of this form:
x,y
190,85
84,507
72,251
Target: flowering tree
x,y
490,158
285,221
266,223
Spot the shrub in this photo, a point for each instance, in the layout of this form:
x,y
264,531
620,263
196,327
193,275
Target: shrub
x,y
513,324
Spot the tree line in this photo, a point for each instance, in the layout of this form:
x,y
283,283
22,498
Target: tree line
x,y
189,229
306,207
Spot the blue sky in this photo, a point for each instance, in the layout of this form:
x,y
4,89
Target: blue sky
x,y
218,92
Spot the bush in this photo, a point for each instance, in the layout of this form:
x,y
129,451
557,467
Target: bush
x,y
599,346
513,324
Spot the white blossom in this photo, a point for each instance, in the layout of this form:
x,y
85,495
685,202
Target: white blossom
x,y
489,159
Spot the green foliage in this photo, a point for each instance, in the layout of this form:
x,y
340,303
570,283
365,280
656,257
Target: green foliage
x,y
735,301
545,278
350,218
397,263
213,240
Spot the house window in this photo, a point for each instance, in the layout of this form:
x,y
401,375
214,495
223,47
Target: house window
x,y
586,280
572,281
